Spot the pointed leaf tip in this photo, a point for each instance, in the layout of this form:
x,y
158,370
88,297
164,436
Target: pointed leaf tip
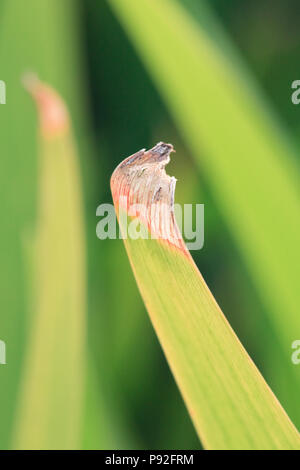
x,y
141,187
53,114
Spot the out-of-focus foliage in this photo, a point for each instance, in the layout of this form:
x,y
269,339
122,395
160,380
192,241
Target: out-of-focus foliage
x,y
32,37
81,50
50,409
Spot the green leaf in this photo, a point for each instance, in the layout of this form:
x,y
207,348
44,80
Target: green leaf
x,y
228,400
51,393
43,36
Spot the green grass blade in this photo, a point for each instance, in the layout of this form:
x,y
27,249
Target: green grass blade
x,y
43,36
248,161
228,400
49,415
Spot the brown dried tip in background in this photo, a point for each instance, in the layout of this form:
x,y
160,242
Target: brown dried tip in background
x,y
53,114
141,187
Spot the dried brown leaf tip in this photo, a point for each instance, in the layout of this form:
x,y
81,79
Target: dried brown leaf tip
x,y
53,114
141,187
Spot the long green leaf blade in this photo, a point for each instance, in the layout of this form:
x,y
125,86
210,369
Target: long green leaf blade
x,y
49,415
43,36
228,400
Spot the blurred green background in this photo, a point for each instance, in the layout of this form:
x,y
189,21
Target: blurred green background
x,y
83,51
